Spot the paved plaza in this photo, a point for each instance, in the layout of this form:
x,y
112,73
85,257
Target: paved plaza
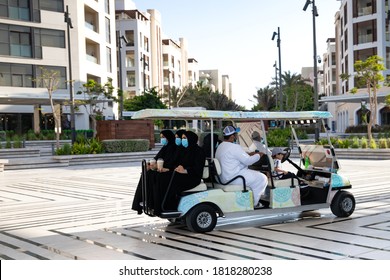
x,y
84,213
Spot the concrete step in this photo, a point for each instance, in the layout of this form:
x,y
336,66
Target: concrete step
x,y
72,160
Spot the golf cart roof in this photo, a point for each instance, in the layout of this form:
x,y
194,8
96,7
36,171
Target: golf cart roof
x,y
187,114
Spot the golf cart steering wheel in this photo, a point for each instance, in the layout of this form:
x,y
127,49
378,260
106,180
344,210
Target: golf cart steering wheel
x,y
287,154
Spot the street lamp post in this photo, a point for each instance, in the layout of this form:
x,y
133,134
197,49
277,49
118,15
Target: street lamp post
x,y
280,67
69,25
276,82
120,39
315,86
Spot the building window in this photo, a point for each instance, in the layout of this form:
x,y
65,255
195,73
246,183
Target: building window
x,y
107,6
165,60
130,79
61,74
109,61
130,38
20,44
130,60
52,38
16,75
146,44
19,9
52,5
108,30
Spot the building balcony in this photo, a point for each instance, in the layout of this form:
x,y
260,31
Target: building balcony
x,y
362,39
365,11
91,58
90,26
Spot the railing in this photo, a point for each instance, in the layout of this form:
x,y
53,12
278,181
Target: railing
x,y
365,11
91,58
365,38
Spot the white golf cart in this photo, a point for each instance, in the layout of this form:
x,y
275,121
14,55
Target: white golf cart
x,y
318,169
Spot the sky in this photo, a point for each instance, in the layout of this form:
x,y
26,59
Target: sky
x,y
235,37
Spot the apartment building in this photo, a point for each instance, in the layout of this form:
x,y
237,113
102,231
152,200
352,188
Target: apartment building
x,y
134,41
193,71
33,34
153,60
361,30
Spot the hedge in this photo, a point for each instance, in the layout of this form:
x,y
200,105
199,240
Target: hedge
x,y
125,145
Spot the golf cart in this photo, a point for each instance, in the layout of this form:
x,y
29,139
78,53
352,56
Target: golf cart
x,y
318,184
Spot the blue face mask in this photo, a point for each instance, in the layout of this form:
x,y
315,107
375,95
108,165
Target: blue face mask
x,y
178,141
164,141
184,142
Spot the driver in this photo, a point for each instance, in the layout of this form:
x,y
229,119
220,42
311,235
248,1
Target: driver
x,y
235,161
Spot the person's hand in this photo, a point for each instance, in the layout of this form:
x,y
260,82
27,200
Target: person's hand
x,y
163,170
180,169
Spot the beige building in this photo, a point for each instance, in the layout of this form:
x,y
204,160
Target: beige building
x,y
35,36
362,30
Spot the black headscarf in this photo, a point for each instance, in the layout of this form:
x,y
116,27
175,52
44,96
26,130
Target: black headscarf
x,y
169,135
180,133
192,138
168,151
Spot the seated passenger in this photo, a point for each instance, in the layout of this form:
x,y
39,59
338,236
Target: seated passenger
x,y
208,146
235,161
279,173
188,171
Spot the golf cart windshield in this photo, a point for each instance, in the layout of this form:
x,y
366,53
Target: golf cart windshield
x,y
319,157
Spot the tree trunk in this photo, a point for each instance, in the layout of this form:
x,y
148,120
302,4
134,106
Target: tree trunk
x,y
93,124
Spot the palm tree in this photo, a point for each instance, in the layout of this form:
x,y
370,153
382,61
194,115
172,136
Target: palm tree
x,y
299,95
265,99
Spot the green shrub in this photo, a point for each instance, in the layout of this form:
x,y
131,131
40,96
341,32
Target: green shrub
x,y
364,143
363,129
8,143
373,144
3,135
65,150
382,143
80,149
344,143
96,147
125,145
355,143
17,142
156,137
278,137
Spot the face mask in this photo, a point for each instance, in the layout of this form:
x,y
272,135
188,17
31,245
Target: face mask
x,y
184,142
178,141
164,141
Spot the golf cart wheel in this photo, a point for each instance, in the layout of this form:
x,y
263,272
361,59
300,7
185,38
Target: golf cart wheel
x,y
201,218
343,204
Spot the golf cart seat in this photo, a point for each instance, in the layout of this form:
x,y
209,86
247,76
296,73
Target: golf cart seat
x,y
285,183
202,186
227,187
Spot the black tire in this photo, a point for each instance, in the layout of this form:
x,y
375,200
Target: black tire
x,y
201,218
343,204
